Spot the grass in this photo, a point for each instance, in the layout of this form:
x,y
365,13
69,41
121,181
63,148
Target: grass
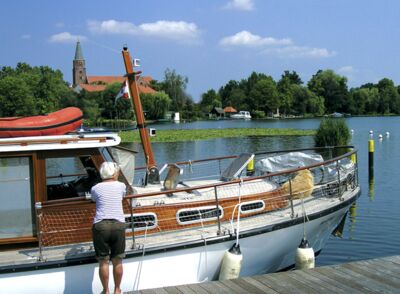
x,y
209,134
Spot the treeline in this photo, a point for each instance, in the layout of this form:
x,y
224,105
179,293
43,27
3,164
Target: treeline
x,y
27,90
325,93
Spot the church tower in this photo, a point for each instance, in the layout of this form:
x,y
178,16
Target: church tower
x,y
79,68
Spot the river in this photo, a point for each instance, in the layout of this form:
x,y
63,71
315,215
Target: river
x,y
372,225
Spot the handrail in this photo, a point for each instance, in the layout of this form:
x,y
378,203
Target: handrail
x,y
255,153
236,181
288,171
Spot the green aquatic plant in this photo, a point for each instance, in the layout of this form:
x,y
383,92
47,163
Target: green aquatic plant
x,y
332,132
209,134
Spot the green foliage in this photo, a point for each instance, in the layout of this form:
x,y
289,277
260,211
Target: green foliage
x,y
155,104
264,96
258,114
209,100
333,88
174,85
28,90
332,132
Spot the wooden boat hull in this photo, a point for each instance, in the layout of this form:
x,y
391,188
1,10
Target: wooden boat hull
x,y
55,123
266,249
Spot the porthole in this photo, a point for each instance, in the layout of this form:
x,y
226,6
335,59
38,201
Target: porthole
x,y
252,206
141,221
198,214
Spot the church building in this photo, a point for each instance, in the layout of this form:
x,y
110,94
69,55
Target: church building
x,y
81,81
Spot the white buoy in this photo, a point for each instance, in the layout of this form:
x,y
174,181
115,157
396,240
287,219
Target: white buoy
x,y
380,137
387,134
231,264
305,257
352,131
371,132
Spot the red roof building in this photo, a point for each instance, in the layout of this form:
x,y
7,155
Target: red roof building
x,y
98,83
230,109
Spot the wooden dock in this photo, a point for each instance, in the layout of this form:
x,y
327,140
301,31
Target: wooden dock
x,y
380,275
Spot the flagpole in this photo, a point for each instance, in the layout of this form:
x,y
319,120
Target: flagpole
x,y
152,175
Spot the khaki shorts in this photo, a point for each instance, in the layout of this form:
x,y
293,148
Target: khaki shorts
x,y
109,239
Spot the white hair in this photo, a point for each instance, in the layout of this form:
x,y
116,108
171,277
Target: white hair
x,y
108,170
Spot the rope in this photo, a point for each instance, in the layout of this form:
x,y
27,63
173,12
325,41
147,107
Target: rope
x,y
104,46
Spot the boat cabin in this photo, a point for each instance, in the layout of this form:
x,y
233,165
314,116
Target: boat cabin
x,y
38,169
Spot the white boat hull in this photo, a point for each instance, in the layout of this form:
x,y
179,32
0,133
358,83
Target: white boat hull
x,y
262,253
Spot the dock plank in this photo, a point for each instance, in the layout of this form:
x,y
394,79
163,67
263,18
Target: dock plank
x,y
257,284
197,289
367,276
344,279
331,282
376,273
317,284
278,284
374,285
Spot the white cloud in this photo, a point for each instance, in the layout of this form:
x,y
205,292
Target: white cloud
x,y
268,45
66,37
301,52
26,37
174,30
247,39
348,69
246,5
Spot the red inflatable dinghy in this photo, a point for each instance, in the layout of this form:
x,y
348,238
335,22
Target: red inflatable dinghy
x,y
55,123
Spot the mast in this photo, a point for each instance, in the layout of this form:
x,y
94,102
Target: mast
x,y
152,175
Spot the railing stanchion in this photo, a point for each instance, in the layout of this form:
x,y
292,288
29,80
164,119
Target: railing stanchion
x,y
291,198
217,204
339,188
38,211
132,224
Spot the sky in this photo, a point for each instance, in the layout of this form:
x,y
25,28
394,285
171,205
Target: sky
x,y
208,41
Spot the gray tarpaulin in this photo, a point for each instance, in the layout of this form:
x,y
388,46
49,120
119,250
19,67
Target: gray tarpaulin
x,y
287,161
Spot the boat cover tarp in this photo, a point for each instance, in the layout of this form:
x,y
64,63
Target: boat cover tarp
x,y
287,161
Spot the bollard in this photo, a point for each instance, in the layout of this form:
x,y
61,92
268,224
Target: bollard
x,y
371,158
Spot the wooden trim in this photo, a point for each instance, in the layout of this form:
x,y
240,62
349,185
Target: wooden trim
x,y
57,141
18,240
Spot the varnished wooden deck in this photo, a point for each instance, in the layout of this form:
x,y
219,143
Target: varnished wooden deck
x,y
369,276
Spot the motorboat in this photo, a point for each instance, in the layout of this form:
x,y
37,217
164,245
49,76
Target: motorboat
x,y
181,217
241,115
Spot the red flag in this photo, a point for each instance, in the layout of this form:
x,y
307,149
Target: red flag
x,y
123,92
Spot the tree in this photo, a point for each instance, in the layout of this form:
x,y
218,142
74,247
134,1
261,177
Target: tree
x,y
16,98
209,100
284,87
40,89
226,91
389,101
292,77
174,85
156,104
264,96
333,88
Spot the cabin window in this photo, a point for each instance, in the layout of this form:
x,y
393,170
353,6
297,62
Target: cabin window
x,y
16,209
252,206
68,177
141,221
199,214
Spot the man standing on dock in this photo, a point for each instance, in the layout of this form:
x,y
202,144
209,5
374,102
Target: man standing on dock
x,y
109,225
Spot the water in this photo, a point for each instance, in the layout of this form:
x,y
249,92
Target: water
x,y
372,225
